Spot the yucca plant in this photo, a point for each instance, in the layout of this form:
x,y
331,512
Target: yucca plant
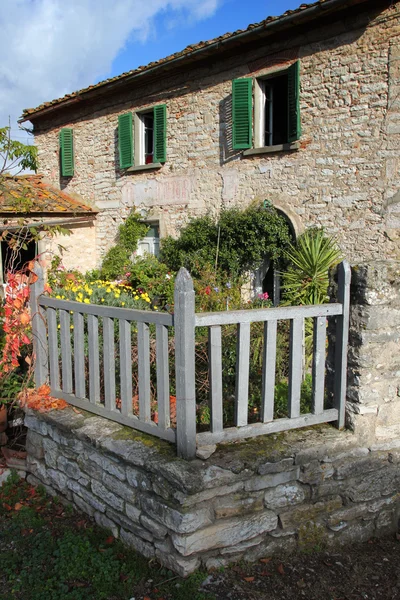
x,y
306,280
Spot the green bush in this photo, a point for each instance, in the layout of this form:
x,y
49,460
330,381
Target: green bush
x,y
116,263
149,274
236,243
118,259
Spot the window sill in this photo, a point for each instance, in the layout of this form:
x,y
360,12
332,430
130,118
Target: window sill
x,y
272,149
150,167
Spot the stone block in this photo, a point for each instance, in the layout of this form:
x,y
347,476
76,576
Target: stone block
x,y
108,497
87,496
137,479
349,468
106,523
82,505
309,512
119,488
275,467
207,495
238,504
108,465
132,512
315,472
156,529
58,479
50,452
225,533
266,481
373,486
137,543
285,495
70,468
180,565
34,444
180,522
35,424
388,421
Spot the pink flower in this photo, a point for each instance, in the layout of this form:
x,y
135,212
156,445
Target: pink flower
x,y
264,296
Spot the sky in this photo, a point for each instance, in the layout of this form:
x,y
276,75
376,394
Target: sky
x,y
49,48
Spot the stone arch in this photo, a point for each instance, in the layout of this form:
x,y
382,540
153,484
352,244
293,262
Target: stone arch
x,y
266,279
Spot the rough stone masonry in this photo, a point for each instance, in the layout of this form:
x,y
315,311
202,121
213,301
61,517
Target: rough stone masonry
x,y
301,489
344,174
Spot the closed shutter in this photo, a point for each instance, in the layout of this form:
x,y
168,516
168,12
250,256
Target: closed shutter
x,y
160,133
242,108
294,122
125,140
67,152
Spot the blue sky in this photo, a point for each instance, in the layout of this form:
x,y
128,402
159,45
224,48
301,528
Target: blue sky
x,y
61,47
166,37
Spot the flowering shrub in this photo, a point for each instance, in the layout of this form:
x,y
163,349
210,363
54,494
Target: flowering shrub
x,y
109,293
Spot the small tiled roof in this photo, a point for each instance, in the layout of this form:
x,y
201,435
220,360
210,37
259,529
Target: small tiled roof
x,y
187,53
30,194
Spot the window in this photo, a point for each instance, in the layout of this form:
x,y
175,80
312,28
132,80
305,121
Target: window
x,y
142,139
151,243
276,110
66,140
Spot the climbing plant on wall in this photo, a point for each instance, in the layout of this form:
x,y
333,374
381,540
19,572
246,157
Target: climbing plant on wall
x,y
236,242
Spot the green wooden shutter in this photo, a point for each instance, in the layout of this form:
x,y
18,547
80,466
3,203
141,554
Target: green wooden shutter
x,y
67,152
125,140
160,133
294,122
242,109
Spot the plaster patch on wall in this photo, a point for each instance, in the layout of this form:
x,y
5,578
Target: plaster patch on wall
x,y
230,187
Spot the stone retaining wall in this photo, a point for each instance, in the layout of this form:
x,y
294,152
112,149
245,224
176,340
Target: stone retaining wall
x,y
301,489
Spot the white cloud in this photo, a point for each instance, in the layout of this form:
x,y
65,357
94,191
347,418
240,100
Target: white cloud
x,y
52,47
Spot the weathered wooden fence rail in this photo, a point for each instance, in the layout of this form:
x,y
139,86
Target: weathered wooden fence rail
x,y
62,361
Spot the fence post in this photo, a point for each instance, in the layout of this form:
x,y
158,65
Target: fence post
x,y
341,343
184,323
39,335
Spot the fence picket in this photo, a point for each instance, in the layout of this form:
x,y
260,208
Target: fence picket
x,y
94,362
242,373
162,365
79,355
342,336
53,349
143,346
318,370
125,348
295,366
66,354
215,363
109,363
268,371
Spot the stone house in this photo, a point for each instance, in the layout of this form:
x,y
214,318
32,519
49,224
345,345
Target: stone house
x,y
302,110
30,208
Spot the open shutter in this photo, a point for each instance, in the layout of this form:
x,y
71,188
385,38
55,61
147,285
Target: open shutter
x,y
125,140
242,109
160,133
294,123
67,152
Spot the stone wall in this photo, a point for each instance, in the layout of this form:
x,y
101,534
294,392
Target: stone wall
x,y
301,489
345,175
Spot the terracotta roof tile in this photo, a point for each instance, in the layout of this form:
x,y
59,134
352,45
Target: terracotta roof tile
x,y
186,52
30,194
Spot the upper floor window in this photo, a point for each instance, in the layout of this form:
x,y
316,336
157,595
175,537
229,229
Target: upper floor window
x,y
142,138
275,107
66,140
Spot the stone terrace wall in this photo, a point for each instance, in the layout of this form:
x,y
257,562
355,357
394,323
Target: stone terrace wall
x,y
299,489
345,175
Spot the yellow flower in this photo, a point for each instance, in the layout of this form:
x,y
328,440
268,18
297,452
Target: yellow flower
x,y
86,301
108,290
136,298
58,297
147,299
122,303
71,327
102,299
